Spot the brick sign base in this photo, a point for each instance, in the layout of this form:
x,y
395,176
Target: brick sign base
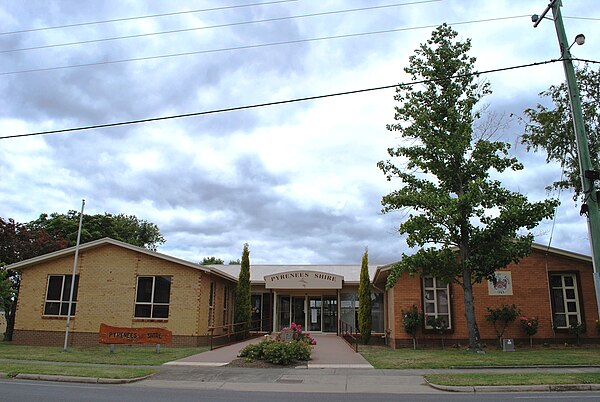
x,y
130,336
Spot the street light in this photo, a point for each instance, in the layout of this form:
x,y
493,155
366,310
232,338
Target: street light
x,y
579,39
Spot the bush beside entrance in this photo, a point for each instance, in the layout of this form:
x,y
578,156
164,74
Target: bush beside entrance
x,y
291,345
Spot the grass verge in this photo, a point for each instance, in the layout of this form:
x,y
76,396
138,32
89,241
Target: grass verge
x,y
123,355
514,379
12,369
385,358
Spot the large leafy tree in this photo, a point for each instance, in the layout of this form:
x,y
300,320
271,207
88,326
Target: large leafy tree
x,y
212,261
365,319
19,242
53,232
551,127
127,228
464,223
243,306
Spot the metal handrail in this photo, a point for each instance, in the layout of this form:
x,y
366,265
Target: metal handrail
x,y
347,331
246,331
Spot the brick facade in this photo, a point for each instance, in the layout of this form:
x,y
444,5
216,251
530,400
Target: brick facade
x,y
531,294
106,294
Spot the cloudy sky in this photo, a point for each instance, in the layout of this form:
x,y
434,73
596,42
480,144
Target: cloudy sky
x,y
297,181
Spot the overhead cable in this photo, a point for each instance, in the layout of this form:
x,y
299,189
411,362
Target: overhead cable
x,y
254,46
145,16
215,26
274,103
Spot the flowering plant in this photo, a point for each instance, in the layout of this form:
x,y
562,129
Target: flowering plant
x,y
529,325
294,332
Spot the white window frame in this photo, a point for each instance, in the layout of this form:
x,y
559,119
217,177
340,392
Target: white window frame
x,y
225,305
435,302
60,301
211,304
566,300
151,303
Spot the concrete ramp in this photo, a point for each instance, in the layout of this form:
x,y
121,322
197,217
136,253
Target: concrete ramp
x,y
332,351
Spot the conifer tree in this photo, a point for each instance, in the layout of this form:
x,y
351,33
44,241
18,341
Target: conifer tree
x,y
243,307
365,320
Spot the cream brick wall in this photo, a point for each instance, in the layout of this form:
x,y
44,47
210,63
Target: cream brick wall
x,y
107,284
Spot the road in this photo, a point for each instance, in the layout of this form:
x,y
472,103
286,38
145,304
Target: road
x,y
17,390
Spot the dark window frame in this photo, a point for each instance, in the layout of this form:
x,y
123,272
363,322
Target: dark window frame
x,y
62,302
156,308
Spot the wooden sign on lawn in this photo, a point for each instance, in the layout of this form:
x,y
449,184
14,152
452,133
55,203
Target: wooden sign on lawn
x,y
130,336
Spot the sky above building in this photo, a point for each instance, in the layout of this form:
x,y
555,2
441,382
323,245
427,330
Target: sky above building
x,y
297,181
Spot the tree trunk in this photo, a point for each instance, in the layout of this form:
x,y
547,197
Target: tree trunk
x,y
472,328
10,321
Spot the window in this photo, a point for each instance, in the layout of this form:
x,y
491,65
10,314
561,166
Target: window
x,y
57,295
211,305
152,297
435,300
225,305
565,300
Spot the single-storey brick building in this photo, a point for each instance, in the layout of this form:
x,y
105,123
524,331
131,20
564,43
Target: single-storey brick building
x,y
127,286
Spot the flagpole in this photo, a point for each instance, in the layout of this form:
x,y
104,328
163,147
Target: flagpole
x,y
73,276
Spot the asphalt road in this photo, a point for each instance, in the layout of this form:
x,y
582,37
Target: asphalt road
x,y
15,391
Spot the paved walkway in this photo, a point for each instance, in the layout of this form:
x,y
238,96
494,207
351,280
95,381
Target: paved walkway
x,y
331,351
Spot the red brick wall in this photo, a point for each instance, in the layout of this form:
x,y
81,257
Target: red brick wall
x,y
530,295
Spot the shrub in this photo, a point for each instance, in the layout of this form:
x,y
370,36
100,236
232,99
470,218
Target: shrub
x,y
501,317
412,321
255,351
278,352
286,352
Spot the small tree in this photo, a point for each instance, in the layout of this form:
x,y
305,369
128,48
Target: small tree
x,y
243,306
530,326
412,321
365,320
501,317
577,329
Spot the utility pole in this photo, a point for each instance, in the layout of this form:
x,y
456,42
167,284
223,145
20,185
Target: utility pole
x,y
589,206
73,277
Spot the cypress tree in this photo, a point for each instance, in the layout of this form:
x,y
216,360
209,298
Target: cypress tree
x,y
243,309
364,301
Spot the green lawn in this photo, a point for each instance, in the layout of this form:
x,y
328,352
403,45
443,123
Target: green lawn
x,y
13,369
123,355
513,379
386,358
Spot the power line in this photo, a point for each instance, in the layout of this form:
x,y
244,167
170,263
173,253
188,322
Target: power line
x,y
582,18
216,26
275,103
253,46
144,16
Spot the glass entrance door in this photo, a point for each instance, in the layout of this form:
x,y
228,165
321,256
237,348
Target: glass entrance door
x,y
329,314
314,313
298,311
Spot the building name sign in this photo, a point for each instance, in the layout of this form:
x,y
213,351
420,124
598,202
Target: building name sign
x,y
303,280
123,335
